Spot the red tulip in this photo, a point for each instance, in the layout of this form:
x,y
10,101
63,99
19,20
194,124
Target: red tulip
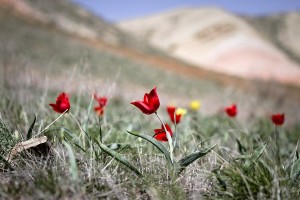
x,y
161,135
175,118
231,110
99,110
102,101
278,119
62,103
150,104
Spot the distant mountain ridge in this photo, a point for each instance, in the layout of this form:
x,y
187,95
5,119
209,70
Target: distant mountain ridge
x,y
282,29
216,40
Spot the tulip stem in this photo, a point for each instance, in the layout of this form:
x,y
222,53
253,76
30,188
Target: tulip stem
x,y
175,134
277,147
100,130
47,127
169,137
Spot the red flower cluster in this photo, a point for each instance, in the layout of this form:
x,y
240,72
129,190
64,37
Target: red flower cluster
x,y
278,119
161,135
231,110
102,102
62,103
175,118
150,104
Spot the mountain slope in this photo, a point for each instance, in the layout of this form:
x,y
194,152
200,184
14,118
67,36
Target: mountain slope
x,y
214,39
282,29
70,18
66,18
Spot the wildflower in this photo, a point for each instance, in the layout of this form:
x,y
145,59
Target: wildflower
x,y
150,104
195,105
62,103
175,114
181,111
231,110
278,119
99,110
161,135
102,102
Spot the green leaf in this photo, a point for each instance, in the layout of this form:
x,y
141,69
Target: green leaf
x,y
295,169
256,154
29,132
185,161
157,144
118,157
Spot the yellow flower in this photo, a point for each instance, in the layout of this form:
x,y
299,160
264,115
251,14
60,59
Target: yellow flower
x,y
195,105
181,111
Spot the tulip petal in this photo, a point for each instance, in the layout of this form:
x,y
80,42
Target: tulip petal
x,y
142,106
161,137
150,103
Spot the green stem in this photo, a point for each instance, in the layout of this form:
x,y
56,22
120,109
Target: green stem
x,y
277,146
100,130
175,133
170,141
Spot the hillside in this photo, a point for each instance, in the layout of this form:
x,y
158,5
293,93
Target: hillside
x,y
216,40
281,29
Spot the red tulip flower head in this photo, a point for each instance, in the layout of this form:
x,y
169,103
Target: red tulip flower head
x,y
175,118
62,103
231,110
150,104
161,135
278,119
102,102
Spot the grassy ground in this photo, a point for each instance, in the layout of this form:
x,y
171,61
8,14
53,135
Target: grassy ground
x,y
81,175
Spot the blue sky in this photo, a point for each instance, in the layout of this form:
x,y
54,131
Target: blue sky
x,y
114,10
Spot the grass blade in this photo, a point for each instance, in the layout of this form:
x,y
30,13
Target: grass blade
x,y
187,160
73,166
119,158
256,154
158,145
88,114
29,132
295,169
241,148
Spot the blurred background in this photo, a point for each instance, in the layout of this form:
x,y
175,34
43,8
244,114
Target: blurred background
x,y
219,52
